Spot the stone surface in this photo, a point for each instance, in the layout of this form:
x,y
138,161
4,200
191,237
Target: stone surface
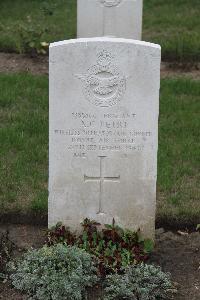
x,y
118,18
103,132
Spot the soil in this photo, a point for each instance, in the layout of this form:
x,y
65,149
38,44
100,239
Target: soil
x,y
11,63
177,253
179,70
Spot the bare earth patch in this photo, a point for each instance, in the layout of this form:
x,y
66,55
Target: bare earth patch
x,y
11,62
178,254
176,70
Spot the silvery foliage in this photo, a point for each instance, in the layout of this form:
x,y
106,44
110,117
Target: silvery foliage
x,y
139,282
52,273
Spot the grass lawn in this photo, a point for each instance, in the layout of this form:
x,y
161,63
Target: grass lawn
x,y
24,143
179,150
175,25
24,146
172,23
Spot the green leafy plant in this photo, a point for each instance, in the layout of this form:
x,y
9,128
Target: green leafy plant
x,y
140,282
56,272
6,249
113,246
29,39
198,227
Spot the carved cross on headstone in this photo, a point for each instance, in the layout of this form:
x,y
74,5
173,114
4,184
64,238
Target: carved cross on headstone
x,y
101,179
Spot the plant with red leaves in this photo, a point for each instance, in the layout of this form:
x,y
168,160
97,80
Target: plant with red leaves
x,y
113,246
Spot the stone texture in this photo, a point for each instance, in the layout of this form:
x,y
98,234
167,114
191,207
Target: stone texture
x,y
118,18
103,132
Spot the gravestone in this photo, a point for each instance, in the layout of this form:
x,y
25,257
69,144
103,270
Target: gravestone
x,y
117,18
103,132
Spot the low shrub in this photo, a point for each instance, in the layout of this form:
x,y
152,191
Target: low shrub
x,y
113,246
115,259
52,273
140,282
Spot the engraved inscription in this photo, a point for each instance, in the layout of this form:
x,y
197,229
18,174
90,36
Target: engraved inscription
x,y
103,85
101,179
105,132
110,3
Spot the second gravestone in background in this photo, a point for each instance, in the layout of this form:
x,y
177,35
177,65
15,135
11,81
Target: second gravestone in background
x,y
103,133
118,18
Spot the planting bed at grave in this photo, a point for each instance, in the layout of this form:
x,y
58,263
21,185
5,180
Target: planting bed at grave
x,y
24,148
68,265
173,24
178,254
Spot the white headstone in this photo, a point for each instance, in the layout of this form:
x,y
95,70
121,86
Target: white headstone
x,y
103,133
118,18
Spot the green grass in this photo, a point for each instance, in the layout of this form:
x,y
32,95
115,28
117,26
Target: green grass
x,y
24,146
56,19
24,142
175,25
179,149
172,23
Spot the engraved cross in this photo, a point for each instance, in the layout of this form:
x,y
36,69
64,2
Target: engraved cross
x,y
101,179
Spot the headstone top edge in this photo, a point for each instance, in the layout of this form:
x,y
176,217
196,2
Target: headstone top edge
x,y
124,0
105,39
